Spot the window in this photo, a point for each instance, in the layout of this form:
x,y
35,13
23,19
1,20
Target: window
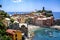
x,y
16,38
16,35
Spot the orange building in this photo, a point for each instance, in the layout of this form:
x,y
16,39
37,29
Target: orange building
x,y
47,21
14,34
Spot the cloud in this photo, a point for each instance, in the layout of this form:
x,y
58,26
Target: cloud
x,y
16,0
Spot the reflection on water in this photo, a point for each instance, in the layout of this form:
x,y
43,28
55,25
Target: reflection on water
x,y
47,34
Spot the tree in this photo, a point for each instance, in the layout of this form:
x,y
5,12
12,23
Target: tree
x,y
3,15
24,30
3,35
29,21
2,26
12,20
49,14
43,10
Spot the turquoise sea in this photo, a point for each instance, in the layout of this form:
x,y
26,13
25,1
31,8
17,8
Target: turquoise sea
x,y
47,34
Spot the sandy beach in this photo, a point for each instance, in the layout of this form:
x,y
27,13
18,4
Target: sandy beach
x,y
56,26
31,29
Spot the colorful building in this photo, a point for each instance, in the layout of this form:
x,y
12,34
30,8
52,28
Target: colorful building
x,y
14,34
47,21
41,17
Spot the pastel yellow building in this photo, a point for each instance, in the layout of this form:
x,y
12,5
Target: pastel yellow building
x,y
14,34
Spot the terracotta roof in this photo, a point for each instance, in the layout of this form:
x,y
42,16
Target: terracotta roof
x,y
10,31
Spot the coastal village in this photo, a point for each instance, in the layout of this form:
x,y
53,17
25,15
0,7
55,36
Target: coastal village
x,y
29,19
22,26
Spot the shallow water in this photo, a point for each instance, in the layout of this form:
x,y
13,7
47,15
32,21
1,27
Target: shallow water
x,y
47,34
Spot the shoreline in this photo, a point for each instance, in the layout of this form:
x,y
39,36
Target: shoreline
x,y
56,26
31,29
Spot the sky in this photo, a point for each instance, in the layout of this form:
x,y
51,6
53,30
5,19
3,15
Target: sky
x,y
29,5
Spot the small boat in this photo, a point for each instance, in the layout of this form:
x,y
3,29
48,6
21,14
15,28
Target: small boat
x,y
50,34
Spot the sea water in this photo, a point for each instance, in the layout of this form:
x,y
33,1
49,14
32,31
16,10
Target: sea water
x,y
47,34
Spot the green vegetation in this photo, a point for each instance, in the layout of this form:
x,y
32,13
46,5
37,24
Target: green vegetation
x,y
29,20
12,20
3,35
2,26
48,13
43,10
24,30
3,14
